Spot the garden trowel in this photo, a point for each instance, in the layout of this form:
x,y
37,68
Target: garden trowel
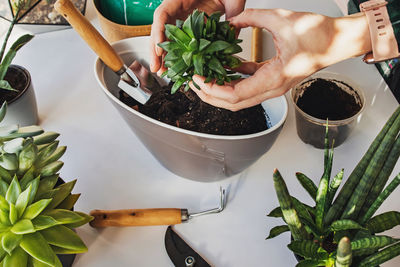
x,y
145,217
136,81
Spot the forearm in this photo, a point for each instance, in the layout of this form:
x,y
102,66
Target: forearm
x,y
350,38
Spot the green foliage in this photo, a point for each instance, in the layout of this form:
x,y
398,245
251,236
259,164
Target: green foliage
x,y
5,61
36,219
200,45
342,231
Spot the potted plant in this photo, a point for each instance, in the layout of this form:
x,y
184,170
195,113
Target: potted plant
x,y
343,231
36,216
15,81
189,137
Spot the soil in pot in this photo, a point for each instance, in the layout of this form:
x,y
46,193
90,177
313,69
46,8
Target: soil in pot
x,y
18,80
186,110
324,99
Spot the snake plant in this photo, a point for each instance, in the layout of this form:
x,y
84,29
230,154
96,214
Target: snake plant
x,y
344,231
36,217
6,58
202,45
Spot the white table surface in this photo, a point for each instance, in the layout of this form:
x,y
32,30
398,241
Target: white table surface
x,y
115,171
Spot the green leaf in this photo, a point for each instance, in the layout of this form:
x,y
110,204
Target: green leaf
x,y
35,184
197,23
35,209
187,26
344,253
46,184
198,62
85,219
9,161
203,44
289,213
381,256
22,201
13,191
177,85
26,131
6,85
276,213
44,154
64,216
277,230
193,45
307,184
45,138
174,33
27,157
3,188
43,222
5,175
3,110
23,227
342,225
310,263
217,46
36,246
27,178
383,222
59,250
308,249
187,57
216,66
17,258
63,237
372,242
69,202
10,241
13,216
51,169
14,146
61,193
5,217
170,46
4,205
6,130
5,63
232,49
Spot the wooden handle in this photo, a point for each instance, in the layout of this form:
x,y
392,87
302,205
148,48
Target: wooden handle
x,y
256,45
140,217
89,33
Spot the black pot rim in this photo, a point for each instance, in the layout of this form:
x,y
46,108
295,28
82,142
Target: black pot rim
x,y
28,84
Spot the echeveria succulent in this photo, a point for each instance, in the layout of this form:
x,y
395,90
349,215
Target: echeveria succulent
x,y
200,45
36,217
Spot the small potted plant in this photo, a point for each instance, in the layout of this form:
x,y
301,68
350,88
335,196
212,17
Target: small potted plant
x,y
15,81
343,231
36,206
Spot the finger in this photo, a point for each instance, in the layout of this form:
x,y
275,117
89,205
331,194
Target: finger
x,y
261,18
233,8
225,92
248,67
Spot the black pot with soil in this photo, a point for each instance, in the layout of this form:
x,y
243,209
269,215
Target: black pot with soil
x,y
22,108
326,97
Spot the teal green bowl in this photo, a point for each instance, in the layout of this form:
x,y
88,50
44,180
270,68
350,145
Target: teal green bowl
x,y
128,12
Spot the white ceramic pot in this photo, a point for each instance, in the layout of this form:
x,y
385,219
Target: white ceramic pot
x,y
22,110
193,155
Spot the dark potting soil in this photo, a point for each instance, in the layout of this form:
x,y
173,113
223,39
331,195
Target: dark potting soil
x,y
186,110
324,99
17,79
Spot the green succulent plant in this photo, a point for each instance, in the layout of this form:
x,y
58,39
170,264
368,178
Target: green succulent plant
x,y
343,231
36,217
202,45
6,58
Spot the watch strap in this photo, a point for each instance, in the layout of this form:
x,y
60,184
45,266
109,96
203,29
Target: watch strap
x,y
384,43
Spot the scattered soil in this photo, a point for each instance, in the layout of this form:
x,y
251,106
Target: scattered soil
x,y
185,110
17,79
325,99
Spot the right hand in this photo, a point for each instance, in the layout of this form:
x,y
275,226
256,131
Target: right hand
x,y
170,10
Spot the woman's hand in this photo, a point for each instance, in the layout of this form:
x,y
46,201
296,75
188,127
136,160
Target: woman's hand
x,y
170,10
304,43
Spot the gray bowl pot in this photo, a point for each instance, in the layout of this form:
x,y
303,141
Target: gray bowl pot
x,y
192,155
22,110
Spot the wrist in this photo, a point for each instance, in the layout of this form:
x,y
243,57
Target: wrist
x,y
350,38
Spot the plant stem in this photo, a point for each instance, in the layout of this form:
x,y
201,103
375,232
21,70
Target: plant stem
x,y
3,48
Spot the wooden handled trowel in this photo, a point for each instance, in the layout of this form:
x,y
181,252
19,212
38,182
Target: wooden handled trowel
x,y
136,81
145,217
